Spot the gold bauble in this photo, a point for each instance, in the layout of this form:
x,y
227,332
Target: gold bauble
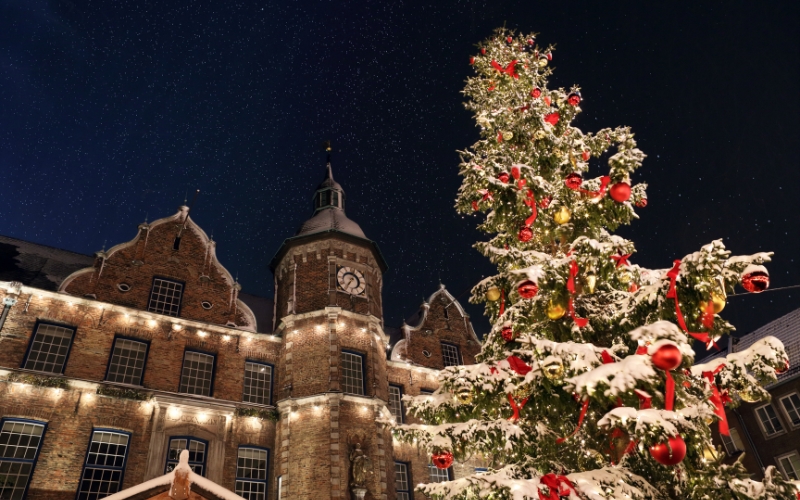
x,y
522,392
589,282
554,368
562,216
620,440
464,396
492,294
540,133
508,135
624,276
719,302
556,310
542,62
710,454
748,396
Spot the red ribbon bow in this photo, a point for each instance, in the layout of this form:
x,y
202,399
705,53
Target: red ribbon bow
x,y
516,407
718,400
519,366
530,200
558,485
644,399
509,70
502,302
573,272
672,293
604,181
584,408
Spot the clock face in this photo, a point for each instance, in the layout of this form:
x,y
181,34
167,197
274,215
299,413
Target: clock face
x,y
351,280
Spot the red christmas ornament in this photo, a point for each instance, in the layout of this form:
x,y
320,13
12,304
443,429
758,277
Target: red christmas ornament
x,y
509,39
620,192
508,334
483,51
670,453
544,202
535,93
547,100
552,118
667,357
642,203
515,172
574,99
755,279
472,60
503,177
442,460
573,181
530,41
549,56
586,155
525,234
785,367
527,289
634,287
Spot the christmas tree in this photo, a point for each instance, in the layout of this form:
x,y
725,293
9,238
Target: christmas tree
x,y
585,387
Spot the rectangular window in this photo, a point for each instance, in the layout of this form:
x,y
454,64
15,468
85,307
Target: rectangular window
x,y
257,383
791,404
198,371
450,355
402,483
790,465
352,373
251,473
396,402
769,420
197,453
165,297
438,475
105,464
733,443
127,362
49,348
20,442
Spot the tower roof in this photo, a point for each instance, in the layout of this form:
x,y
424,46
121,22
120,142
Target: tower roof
x,y
329,212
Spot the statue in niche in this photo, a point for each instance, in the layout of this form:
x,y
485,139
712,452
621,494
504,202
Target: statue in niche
x,y
361,465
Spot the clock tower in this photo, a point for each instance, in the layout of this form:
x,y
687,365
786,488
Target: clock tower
x,y
331,384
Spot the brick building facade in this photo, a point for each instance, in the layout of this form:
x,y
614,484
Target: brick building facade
x,y
111,365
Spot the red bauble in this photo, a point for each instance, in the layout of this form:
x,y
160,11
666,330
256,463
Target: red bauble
x,y
515,172
642,203
472,60
667,357
544,202
785,368
549,56
574,99
755,279
670,453
527,289
634,287
586,155
442,460
620,192
525,234
552,118
573,181
503,177
508,334
509,39
535,93
530,41
483,51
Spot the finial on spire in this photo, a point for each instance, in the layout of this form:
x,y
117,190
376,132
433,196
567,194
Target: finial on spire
x,y
326,145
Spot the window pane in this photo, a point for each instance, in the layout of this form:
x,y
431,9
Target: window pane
x,y
18,441
352,374
197,454
791,466
49,348
257,383
165,297
400,477
395,403
251,490
792,406
251,464
197,372
450,355
127,362
438,475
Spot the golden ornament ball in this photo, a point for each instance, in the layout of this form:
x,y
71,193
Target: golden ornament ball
x,y
464,397
493,294
748,396
556,310
554,369
521,392
562,216
624,276
508,135
542,62
719,302
540,133
589,282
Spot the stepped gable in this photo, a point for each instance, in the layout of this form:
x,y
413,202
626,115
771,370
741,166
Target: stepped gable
x,y
39,266
174,249
440,319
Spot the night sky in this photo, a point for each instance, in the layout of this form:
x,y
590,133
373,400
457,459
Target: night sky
x,y
112,110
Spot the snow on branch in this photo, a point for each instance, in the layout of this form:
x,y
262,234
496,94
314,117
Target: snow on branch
x,y
477,433
615,379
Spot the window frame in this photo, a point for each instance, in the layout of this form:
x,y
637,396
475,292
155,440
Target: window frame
x,y
736,449
105,467
213,372
111,356
188,440
171,280
780,466
788,397
271,379
761,422
33,462
33,337
449,471
410,490
458,353
402,416
265,481
363,372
